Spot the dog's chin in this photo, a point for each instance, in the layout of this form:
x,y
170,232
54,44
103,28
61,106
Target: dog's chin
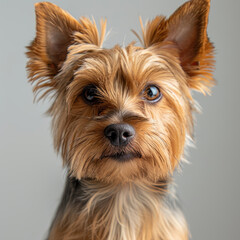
x,y
123,156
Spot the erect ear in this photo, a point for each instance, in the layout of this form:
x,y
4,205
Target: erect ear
x,y
186,29
55,31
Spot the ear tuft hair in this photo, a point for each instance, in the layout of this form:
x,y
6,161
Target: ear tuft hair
x,y
56,31
187,30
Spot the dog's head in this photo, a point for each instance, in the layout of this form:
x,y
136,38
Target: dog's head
x,y
121,114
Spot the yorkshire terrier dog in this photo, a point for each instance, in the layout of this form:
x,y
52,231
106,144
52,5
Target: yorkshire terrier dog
x,y
120,118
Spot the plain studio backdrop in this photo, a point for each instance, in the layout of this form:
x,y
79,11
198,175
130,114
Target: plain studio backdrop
x,y
31,175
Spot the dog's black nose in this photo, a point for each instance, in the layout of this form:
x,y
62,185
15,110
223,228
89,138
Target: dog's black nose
x,y
119,134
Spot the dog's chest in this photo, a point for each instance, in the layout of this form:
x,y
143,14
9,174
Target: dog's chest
x,y
130,213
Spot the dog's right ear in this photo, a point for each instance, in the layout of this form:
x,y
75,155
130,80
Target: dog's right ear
x,y
56,30
54,33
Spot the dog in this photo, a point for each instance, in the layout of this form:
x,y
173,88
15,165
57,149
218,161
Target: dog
x,y
121,118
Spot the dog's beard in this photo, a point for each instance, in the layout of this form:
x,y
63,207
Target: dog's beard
x,y
88,154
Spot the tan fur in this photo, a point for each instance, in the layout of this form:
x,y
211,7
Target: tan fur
x,y
133,211
124,200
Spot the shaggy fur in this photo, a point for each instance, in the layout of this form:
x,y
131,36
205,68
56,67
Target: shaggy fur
x,y
104,198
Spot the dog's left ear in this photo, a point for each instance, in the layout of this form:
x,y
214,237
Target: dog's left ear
x,y
186,30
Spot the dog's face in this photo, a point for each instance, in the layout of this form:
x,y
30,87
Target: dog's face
x,y
121,114
128,114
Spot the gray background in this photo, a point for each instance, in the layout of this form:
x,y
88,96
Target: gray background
x,y
31,177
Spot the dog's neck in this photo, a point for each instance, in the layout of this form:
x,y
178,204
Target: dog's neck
x,y
136,211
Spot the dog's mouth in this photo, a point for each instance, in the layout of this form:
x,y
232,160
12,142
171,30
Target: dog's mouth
x,y
123,156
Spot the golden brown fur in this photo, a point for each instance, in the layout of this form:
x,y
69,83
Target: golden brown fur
x,y
121,200
130,211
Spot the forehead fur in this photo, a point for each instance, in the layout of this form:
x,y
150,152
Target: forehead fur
x,y
132,65
118,71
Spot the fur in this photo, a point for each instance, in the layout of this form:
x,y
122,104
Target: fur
x,y
106,199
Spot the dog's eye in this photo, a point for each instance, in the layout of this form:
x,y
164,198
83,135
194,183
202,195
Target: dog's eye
x,y
152,94
90,94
